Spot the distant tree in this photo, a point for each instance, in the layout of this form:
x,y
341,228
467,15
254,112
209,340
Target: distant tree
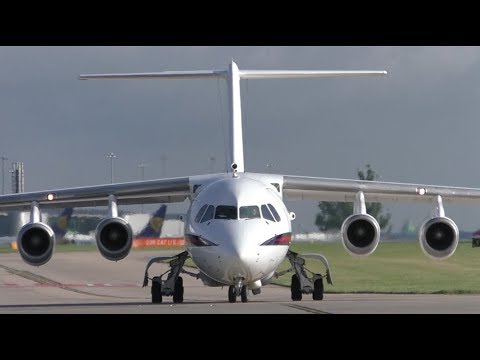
x,y
333,214
408,229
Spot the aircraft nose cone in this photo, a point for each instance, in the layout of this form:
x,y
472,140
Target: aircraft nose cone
x,y
240,261
243,251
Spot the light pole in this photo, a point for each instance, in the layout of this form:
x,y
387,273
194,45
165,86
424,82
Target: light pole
x,y
163,158
3,174
269,166
142,166
212,163
111,157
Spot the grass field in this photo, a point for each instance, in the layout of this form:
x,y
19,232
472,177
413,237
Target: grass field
x,y
5,248
395,267
398,267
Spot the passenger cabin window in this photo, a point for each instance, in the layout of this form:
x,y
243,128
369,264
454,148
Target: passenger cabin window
x,y
274,212
249,212
226,212
267,214
200,213
208,214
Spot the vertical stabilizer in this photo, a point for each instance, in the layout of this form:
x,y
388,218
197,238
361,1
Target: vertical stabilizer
x,y
235,155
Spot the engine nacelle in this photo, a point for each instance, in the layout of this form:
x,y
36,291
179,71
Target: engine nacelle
x,y
439,237
114,238
360,234
35,243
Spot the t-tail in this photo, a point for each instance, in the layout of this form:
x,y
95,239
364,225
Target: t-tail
x,y
233,75
154,226
61,224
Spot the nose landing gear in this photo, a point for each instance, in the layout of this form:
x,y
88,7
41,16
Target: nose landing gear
x,y
239,289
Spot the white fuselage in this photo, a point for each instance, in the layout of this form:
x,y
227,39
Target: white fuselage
x,y
228,228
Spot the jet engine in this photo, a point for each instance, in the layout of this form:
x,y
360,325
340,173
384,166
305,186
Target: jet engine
x,y
114,238
360,234
439,237
35,243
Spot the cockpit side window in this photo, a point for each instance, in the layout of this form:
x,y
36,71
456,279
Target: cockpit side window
x,y
249,212
267,214
225,212
274,212
208,214
200,213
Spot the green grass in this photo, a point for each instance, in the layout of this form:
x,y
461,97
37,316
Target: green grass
x,y
399,267
5,248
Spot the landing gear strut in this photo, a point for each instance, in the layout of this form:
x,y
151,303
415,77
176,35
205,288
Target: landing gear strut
x,y
173,285
301,283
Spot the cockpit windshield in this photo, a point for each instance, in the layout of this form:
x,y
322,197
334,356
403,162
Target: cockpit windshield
x,y
225,212
208,214
249,212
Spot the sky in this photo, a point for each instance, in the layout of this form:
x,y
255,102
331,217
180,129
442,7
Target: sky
x,y
418,124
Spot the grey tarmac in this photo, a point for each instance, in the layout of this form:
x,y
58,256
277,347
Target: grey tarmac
x,y
84,282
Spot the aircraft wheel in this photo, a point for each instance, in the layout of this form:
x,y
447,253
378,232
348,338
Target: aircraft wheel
x,y
232,294
178,291
244,294
318,289
156,290
295,288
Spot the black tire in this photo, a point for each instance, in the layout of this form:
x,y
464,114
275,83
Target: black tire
x,y
178,291
244,294
318,289
232,294
156,290
295,288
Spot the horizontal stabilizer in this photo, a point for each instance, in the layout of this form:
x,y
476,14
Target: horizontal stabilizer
x,y
244,74
200,74
293,74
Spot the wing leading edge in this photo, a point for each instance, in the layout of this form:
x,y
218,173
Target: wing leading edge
x,y
138,192
344,190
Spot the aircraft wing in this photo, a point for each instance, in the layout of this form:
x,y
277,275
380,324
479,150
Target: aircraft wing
x,y
138,192
344,190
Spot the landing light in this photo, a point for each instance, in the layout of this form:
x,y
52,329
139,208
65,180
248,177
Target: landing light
x,y
51,196
421,191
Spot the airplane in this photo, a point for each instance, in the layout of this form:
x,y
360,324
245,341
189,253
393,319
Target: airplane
x,y
61,225
59,228
154,226
151,230
151,234
237,228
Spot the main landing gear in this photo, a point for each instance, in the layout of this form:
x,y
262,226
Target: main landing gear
x,y
301,283
173,285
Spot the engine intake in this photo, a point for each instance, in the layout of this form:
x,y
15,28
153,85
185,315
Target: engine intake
x,y
114,238
35,243
439,237
360,234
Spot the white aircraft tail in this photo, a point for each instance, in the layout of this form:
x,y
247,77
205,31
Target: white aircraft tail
x,y
233,75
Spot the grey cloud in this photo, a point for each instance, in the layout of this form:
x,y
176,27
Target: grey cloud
x,y
418,124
